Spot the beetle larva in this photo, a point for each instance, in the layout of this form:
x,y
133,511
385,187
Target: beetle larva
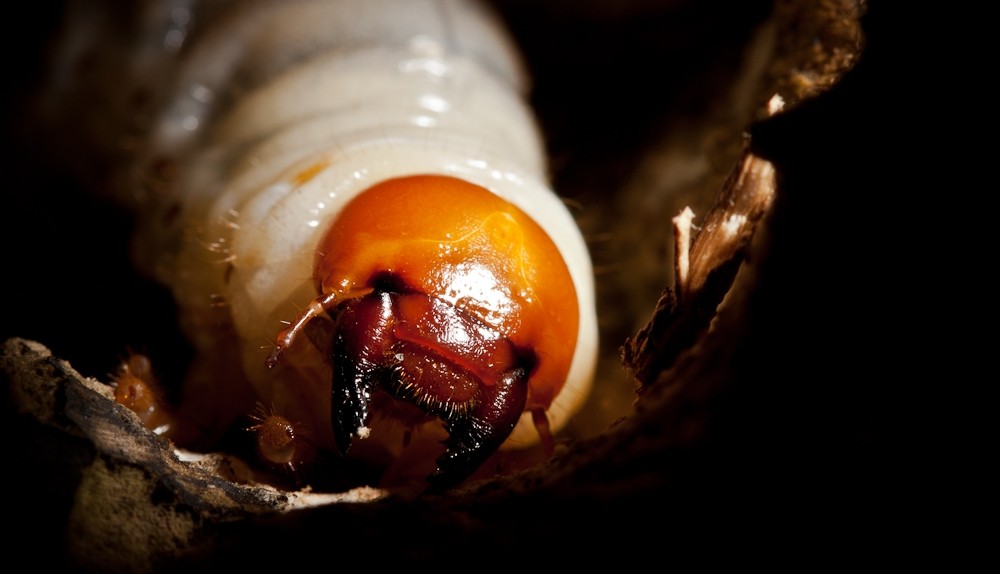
x,y
348,200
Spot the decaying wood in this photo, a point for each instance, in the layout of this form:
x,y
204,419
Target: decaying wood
x,y
705,271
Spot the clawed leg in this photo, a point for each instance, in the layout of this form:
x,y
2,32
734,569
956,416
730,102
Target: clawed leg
x,y
541,421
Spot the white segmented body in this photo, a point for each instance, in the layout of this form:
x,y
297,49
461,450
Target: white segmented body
x,y
349,92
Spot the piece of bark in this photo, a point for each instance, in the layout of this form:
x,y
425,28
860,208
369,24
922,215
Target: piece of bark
x,y
705,270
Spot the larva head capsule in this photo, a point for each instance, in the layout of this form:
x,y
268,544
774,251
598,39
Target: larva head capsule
x,y
446,297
